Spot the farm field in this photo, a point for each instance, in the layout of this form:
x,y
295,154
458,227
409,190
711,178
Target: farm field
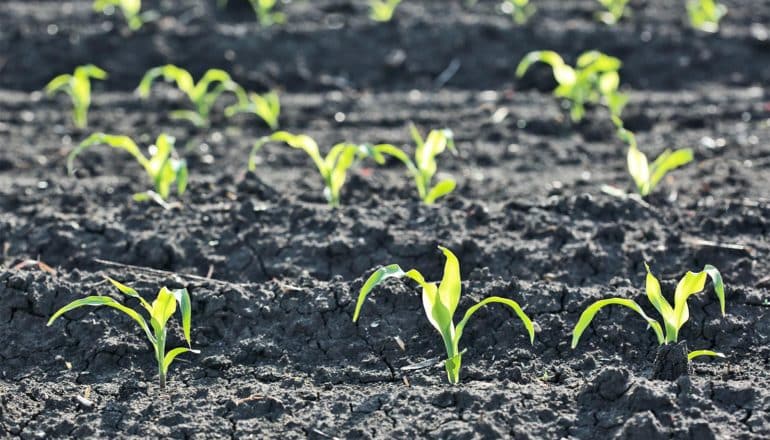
x,y
274,273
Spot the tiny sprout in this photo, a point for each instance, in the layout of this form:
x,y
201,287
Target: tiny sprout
x,y
160,311
705,15
131,10
647,176
263,9
267,107
78,86
594,80
519,10
162,167
440,303
424,166
382,10
615,11
201,94
674,317
333,168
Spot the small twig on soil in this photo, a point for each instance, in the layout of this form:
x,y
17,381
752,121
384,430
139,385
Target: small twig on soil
x,y
619,193
699,242
447,74
161,272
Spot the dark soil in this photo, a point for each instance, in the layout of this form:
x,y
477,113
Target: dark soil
x,y
280,357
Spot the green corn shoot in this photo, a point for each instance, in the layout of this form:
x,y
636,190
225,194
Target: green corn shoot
x,y
615,11
267,107
78,87
519,10
594,80
424,167
202,94
646,176
382,10
674,316
333,167
263,9
163,168
705,15
160,311
440,303
131,10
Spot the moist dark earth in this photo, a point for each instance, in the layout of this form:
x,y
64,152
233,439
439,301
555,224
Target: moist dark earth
x,y
274,273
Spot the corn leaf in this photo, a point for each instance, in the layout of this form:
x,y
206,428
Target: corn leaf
x,y
669,161
639,169
163,307
130,292
661,304
697,353
496,299
185,308
375,279
441,189
172,354
450,287
588,315
96,301
120,142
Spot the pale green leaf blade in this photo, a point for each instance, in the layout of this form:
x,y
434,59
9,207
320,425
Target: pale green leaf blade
x,y
441,189
638,169
451,286
654,294
182,297
163,307
499,300
588,315
57,83
130,292
375,279
697,353
172,354
96,301
672,161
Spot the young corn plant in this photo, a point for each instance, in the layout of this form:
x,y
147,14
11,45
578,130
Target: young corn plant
x,y
202,94
78,87
267,107
424,166
646,176
161,309
519,10
705,15
593,80
333,167
162,167
674,315
131,10
615,11
382,10
263,9
440,302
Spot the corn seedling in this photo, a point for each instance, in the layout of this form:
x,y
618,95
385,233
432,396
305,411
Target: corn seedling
x,y
163,168
263,9
440,302
674,316
424,167
333,167
519,10
615,11
647,176
594,80
202,94
160,311
267,107
78,87
382,10
705,14
131,10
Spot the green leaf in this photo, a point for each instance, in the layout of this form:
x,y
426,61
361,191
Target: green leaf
x,y
639,170
380,275
661,305
499,300
450,288
163,307
171,355
130,292
304,143
120,142
58,83
185,308
588,315
96,301
441,189
691,284
696,353
669,161
190,116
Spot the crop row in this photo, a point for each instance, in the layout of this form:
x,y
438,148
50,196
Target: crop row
x,y
704,15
